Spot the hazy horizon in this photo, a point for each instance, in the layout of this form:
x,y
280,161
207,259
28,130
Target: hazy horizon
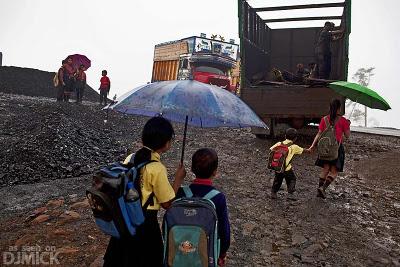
x,y
120,37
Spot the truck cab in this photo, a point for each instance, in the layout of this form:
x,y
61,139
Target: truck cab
x,y
199,58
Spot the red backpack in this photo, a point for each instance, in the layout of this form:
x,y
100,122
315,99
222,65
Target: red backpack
x,y
277,157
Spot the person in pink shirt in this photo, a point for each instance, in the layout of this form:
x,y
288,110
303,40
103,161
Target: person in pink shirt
x,y
330,168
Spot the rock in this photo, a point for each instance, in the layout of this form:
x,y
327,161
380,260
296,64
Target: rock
x,y
55,203
98,262
309,251
307,260
297,255
40,210
248,228
68,250
366,194
325,244
298,239
384,261
73,196
41,218
72,214
396,262
60,232
27,239
80,205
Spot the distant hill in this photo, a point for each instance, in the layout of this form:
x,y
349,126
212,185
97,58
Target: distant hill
x,y
33,82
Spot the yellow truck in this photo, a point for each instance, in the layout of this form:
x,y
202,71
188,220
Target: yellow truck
x,y
199,58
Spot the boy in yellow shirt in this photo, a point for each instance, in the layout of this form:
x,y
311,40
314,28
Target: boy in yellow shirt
x,y
288,174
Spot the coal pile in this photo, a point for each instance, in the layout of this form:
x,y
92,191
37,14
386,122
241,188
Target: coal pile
x,y
44,140
33,82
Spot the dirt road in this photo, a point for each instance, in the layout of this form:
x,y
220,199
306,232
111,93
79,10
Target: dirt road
x,y
357,225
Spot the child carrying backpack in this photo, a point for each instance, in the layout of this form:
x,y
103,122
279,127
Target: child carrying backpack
x,y
144,246
329,141
196,227
280,158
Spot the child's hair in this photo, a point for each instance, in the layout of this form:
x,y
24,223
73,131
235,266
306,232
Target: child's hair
x,y
104,71
204,162
291,134
156,133
334,106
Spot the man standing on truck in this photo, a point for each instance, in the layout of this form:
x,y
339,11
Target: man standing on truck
x,y
323,49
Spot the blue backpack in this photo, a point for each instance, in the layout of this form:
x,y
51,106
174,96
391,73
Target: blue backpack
x,y
115,199
190,229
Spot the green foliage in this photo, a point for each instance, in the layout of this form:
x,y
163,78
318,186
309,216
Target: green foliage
x,y
362,77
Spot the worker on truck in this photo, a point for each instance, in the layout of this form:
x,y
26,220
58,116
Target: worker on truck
x,y
323,49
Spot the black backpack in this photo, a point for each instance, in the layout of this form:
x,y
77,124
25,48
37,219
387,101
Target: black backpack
x,y
115,199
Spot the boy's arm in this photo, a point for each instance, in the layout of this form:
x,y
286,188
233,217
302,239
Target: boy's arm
x,y
224,230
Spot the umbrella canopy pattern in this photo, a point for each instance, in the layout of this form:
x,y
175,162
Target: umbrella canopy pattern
x,y
77,60
205,105
360,94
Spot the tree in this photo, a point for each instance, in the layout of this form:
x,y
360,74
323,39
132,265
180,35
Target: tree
x,y
362,77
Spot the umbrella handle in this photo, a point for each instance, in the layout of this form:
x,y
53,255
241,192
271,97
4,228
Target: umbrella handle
x,y
184,140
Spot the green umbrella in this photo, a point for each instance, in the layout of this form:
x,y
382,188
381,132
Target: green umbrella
x,y
360,94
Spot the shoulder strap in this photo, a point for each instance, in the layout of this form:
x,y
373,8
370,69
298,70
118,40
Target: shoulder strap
x,y
148,201
327,123
187,191
137,169
211,194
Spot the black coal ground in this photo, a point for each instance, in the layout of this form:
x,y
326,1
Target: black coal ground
x,y
49,150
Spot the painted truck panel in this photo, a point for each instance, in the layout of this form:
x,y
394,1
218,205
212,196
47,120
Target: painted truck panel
x,y
205,60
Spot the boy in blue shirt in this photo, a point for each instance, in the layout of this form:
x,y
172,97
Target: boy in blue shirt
x,y
204,166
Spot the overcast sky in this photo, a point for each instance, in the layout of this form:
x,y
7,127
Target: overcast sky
x,y
120,36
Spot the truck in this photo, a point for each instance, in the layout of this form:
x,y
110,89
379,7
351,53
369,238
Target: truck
x,y
265,47
202,59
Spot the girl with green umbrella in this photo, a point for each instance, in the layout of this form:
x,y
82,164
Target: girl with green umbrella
x,y
330,168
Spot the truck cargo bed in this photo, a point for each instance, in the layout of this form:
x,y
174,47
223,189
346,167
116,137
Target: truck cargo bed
x,y
289,101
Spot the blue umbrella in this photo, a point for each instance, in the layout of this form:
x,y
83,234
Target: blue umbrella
x,y
190,102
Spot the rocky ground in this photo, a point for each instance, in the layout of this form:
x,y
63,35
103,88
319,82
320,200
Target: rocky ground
x,y
49,152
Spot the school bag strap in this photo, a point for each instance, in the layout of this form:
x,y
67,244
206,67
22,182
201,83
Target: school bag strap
x,y
187,191
133,174
211,194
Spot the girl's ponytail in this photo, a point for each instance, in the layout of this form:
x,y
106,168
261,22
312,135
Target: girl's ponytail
x,y
333,108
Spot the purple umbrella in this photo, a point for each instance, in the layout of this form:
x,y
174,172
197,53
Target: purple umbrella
x,y
77,60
